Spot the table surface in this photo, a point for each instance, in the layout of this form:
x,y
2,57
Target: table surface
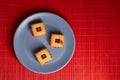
x,y
96,25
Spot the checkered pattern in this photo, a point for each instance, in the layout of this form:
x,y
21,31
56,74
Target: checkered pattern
x,y
96,24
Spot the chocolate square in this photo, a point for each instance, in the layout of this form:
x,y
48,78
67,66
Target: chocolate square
x,y
43,56
57,40
38,29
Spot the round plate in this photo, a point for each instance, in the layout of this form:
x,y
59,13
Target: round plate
x,y
25,45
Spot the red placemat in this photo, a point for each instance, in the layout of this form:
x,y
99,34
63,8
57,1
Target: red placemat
x,y
96,24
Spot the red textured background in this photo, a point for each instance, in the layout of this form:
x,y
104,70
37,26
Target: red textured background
x,y
96,24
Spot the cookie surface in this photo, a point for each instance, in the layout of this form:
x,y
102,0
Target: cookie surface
x,y
57,40
38,29
43,56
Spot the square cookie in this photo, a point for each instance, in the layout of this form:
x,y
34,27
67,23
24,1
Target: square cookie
x,y
38,29
43,56
57,40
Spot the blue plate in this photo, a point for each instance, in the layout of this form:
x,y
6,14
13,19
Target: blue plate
x,y
25,45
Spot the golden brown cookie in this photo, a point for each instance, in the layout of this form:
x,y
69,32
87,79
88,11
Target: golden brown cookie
x,y
38,29
43,56
57,40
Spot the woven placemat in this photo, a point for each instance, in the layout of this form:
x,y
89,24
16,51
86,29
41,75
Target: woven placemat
x,y
96,25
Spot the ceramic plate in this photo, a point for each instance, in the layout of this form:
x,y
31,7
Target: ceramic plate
x,y
25,45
